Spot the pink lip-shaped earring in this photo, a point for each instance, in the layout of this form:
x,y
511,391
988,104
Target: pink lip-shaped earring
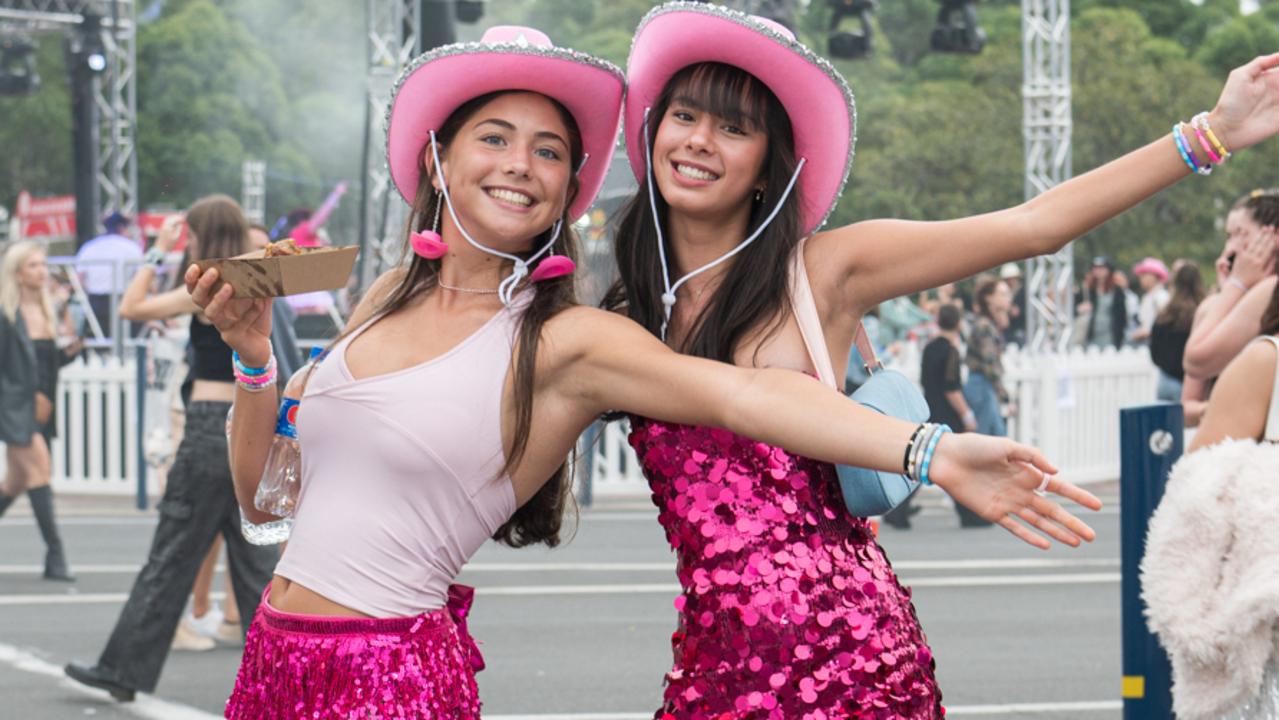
x,y
553,267
428,243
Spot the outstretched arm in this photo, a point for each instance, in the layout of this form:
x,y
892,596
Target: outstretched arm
x,y
619,366
881,259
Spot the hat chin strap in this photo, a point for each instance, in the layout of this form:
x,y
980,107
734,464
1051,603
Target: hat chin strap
x,y
505,290
668,297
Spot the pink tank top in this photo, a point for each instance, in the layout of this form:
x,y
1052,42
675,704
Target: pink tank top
x,y
401,474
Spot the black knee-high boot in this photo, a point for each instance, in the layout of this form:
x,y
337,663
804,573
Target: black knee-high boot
x,y
5,502
55,559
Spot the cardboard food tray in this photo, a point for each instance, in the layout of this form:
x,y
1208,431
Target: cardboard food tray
x,y
254,276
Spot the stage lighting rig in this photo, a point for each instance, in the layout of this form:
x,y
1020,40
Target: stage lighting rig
x,y
851,45
957,30
18,75
85,45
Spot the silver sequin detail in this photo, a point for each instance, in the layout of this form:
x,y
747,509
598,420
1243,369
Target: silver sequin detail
x,y
794,46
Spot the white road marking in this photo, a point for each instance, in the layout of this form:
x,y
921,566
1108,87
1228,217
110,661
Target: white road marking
x,y
144,706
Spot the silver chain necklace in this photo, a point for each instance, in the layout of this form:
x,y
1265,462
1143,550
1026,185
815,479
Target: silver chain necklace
x,y
475,291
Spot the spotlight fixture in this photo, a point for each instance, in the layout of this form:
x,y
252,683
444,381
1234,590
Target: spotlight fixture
x,y
87,44
957,30
851,45
18,75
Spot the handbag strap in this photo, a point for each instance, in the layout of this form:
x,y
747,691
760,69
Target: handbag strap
x,y
810,324
1271,433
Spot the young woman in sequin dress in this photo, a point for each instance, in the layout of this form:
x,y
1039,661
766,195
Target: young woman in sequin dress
x,y
444,415
742,139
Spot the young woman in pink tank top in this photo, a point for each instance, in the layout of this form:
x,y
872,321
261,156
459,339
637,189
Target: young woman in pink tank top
x,y
446,411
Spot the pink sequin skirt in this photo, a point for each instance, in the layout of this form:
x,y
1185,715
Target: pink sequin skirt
x,y
309,666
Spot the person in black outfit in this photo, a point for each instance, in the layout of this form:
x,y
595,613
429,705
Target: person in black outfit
x,y
1108,322
29,364
939,373
199,497
1171,330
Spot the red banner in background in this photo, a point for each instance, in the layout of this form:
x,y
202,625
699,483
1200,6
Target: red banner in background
x,y
50,218
53,218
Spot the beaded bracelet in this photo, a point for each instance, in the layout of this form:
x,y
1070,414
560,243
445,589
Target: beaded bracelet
x,y
1187,154
1201,121
254,379
242,369
928,454
1213,157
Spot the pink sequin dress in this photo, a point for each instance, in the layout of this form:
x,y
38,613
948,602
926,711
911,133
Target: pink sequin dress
x,y
790,610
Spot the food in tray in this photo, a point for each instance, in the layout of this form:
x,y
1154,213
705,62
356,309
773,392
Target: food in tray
x,y
282,248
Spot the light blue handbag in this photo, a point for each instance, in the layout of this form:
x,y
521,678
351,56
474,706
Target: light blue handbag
x,y
875,492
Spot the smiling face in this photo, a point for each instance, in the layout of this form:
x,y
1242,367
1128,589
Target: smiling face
x,y
508,168
711,149
706,164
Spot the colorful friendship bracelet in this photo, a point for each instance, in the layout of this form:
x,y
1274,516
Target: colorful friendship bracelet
x,y
1213,157
254,379
1187,153
928,455
1201,121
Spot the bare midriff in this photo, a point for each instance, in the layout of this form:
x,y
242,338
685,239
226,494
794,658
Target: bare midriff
x,y
290,597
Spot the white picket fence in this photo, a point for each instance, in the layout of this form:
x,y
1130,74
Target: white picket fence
x,y
96,447
1067,405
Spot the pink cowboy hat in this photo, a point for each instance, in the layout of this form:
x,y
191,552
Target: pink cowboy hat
x,y
820,104
508,57
1154,266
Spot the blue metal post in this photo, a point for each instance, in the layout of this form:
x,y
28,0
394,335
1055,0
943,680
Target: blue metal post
x,y
1151,442
140,399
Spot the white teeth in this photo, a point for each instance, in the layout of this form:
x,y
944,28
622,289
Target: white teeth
x,y
689,171
511,197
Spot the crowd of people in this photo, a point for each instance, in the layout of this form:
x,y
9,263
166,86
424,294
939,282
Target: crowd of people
x,y
731,299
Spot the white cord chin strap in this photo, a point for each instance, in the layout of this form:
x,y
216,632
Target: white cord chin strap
x,y
668,297
506,290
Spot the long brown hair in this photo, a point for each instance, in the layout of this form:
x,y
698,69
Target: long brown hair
x,y
539,520
1262,206
1270,319
753,289
1187,293
220,228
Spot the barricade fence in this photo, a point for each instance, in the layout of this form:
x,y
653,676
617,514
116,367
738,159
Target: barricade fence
x,y
1066,404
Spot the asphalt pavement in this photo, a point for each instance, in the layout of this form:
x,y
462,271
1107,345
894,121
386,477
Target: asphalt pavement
x,y
582,632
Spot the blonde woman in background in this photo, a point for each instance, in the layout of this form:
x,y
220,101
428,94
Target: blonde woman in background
x,y
29,362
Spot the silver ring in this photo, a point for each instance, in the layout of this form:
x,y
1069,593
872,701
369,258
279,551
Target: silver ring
x,y
1043,486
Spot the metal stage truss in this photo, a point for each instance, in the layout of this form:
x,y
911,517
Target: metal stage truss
x,y
115,91
392,42
1046,128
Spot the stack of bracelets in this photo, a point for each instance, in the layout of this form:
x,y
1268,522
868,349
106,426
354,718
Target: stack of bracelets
x,y
254,379
920,449
1214,150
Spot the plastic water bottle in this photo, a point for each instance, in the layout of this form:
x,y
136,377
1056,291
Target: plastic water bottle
x,y
278,490
281,478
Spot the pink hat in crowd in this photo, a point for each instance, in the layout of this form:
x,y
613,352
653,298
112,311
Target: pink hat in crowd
x,y
816,97
1154,266
507,58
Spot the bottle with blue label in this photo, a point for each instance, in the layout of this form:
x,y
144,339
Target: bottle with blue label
x,y
282,477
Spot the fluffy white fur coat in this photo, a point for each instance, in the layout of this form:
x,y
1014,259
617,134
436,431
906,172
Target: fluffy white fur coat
x,y
1210,576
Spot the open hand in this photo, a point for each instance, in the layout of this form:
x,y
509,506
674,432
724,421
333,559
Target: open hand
x,y
245,323
1248,110
998,478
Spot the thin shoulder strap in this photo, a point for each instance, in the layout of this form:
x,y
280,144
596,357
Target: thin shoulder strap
x,y
1271,433
810,325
